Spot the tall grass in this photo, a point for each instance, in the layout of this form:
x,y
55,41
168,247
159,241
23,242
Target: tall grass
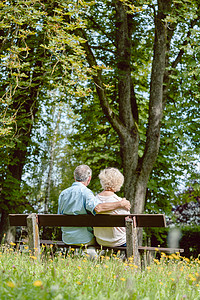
x,y
24,276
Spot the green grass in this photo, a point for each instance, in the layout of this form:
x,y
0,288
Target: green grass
x,y
23,276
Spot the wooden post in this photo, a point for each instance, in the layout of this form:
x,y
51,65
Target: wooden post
x,y
129,236
33,234
131,240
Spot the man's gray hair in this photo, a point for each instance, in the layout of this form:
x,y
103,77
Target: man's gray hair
x,y
82,173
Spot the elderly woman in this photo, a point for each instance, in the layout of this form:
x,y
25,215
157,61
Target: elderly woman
x,y
111,180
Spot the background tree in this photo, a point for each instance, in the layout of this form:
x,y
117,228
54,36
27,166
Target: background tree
x,y
126,37
38,55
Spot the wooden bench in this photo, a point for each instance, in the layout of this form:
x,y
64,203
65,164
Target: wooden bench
x,y
131,222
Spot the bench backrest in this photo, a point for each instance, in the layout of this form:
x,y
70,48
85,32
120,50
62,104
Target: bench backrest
x,y
100,220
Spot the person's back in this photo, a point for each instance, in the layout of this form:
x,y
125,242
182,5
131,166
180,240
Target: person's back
x,y
111,180
77,200
111,236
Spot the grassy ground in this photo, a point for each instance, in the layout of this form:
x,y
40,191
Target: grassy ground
x,y
24,276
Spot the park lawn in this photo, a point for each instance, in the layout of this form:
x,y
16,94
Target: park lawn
x,y
24,276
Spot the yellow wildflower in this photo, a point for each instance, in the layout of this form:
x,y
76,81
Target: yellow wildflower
x,y
192,277
130,258
148,268
37,283
186,259
10,284
12,244
122,279
157,261
175,256
33,257
172,279
78,282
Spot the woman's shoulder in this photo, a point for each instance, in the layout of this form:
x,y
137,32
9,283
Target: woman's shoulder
x,y
108,198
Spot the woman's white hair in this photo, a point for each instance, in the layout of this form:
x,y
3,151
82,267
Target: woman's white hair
x,y
111,179
82,173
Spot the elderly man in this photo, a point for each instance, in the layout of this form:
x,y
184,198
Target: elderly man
x,y
78,199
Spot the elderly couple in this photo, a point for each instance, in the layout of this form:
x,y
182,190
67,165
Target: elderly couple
x,y
78,199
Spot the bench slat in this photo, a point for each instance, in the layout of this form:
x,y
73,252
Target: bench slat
x,y
18,219
140,248
101,220
61,244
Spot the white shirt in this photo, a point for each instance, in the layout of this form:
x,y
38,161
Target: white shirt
x,y
111,236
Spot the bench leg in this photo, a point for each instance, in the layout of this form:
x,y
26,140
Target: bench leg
x,y
132,241
33,234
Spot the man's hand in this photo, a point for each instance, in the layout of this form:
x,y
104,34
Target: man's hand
x,y
125,204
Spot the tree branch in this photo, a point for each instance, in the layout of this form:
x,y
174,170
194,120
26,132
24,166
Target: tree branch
x,y
177,60
101,29
98,80
156,89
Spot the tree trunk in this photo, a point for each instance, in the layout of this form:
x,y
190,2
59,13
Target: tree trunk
x,y
136,170
11,199
7,232
51,162
136,177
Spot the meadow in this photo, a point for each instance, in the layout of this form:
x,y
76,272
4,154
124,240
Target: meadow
x,y
60,276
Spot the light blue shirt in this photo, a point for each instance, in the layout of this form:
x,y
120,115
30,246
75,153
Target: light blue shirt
x,y
77,200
